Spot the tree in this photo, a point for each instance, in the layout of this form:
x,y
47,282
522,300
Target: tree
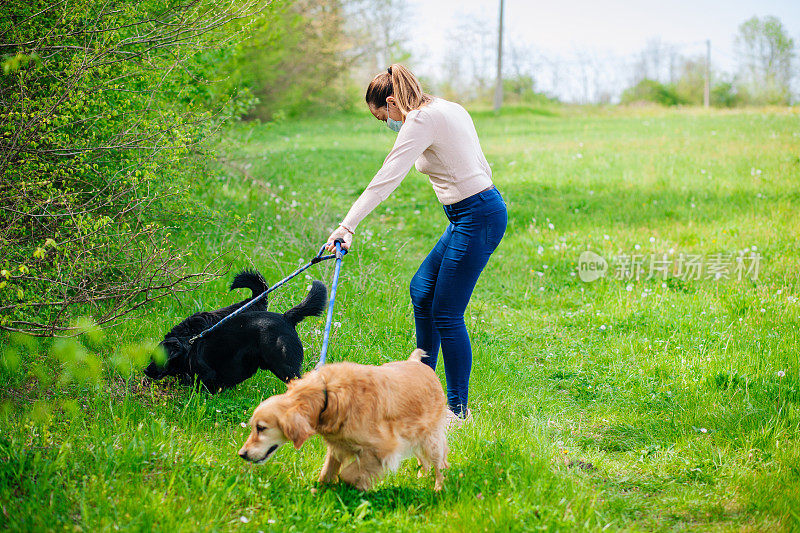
x,y
378,30
298,60
765,53
689,86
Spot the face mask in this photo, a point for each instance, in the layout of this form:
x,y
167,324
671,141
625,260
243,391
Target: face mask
x,y
394,125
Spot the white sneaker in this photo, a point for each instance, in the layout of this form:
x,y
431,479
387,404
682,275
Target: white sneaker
x,y
454,421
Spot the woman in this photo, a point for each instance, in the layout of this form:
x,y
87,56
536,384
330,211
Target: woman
x,y
439,138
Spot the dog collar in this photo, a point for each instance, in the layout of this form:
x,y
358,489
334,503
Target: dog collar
x,y
325,395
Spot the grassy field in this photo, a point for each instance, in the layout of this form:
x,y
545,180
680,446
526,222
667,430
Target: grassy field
x,y
620,404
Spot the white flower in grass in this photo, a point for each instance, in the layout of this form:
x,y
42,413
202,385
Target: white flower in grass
x,y
781,373
551,226
637,247
243,424
337,324
629,288
652,239
244,519
703,430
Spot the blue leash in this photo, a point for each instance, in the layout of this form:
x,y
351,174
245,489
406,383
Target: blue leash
x,y
318,258
339,255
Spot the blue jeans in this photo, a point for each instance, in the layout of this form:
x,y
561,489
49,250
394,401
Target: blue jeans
x,y
444,282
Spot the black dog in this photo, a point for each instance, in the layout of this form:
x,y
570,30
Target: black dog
x,y
253,339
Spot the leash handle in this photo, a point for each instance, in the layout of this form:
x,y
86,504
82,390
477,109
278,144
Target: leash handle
x,y
340,253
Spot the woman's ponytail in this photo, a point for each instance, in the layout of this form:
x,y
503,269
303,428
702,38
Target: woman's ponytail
x,y
399,82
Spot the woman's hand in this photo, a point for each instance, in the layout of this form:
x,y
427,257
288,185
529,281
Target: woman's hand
x,y
340,233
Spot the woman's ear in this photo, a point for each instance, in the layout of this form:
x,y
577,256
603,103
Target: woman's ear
x,y
295,427
390,102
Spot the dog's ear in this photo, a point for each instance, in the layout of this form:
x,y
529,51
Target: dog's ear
x,y
296,427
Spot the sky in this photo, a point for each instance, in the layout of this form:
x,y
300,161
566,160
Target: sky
x,y
615,28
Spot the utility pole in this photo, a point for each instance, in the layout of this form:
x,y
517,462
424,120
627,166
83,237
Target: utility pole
x,y
707,90
498,89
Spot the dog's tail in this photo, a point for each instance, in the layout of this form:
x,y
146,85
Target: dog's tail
x,y
312,304
417,355
250,279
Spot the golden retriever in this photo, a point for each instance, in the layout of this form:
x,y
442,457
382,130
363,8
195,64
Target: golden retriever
x,y
370,417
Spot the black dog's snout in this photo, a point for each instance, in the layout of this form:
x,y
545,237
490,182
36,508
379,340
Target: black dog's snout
x,y
243,454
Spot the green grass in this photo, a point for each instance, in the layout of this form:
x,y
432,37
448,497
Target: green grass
x,y
627,405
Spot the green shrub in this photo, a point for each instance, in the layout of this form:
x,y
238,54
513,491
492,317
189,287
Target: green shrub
x,y
651,91
103,108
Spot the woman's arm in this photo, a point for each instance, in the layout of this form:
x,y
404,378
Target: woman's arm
x,y
414,137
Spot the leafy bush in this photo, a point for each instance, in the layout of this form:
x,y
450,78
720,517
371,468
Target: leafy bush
x,y
103,108
651,91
